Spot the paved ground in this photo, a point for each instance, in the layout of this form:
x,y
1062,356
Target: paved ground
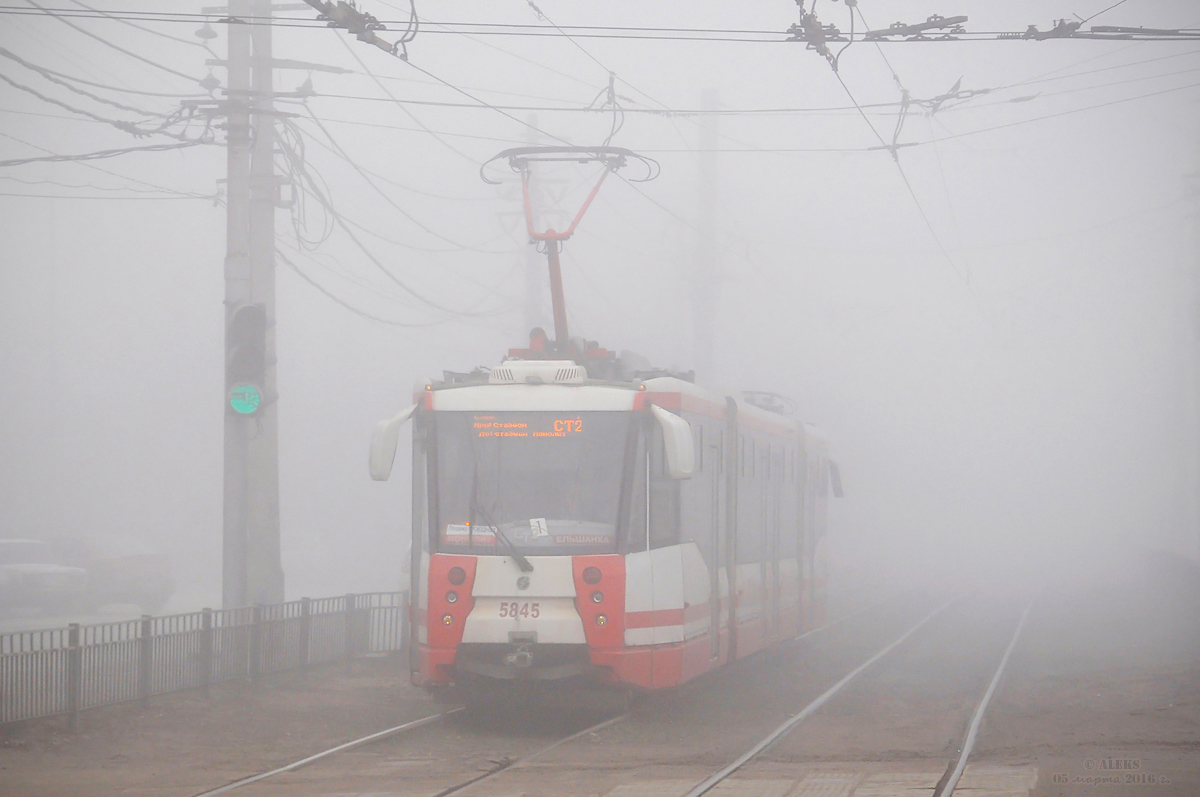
x,y
1102,697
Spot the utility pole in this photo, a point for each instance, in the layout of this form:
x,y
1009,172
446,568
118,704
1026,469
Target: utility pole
x,y
1192,377
252,571
705,273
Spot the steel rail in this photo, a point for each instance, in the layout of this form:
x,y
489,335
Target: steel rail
x,y
520,762
841,619
977,720
408,726
712,781
462,787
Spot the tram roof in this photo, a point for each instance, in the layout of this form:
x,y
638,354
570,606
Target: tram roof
x,y
472,393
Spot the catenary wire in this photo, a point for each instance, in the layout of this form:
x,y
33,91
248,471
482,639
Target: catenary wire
x,y
401,105
908,185
335,298
386,197
341,222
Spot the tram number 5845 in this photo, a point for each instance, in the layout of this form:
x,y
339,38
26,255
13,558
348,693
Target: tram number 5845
x,y
520,610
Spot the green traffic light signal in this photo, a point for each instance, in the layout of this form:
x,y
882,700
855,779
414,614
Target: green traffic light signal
x,y
245,399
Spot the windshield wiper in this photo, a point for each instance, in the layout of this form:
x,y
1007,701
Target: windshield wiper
x,y
524,564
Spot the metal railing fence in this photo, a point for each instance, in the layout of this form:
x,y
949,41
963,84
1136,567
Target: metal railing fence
x,y
65,670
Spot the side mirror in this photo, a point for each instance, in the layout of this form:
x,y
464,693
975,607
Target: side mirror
x,y
677,443
384,441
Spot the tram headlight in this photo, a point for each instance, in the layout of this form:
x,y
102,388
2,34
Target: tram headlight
x,y
456,576
597,597
591,575
451,597
601,620
447,619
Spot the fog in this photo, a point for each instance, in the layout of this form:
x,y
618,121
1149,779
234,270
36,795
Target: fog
x,y
1004,359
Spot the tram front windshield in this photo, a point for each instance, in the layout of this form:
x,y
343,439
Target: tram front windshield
x,y
544,482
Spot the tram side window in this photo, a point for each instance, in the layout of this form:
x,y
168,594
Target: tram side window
x,y
699,504
788,521
749,511
664,497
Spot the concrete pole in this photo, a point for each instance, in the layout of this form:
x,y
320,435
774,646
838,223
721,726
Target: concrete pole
x,y
238,291
1192,545
252,572
705,271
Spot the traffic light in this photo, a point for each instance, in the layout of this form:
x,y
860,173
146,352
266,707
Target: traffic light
x,y
246,358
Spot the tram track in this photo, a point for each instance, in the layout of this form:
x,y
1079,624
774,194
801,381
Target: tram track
x,y
368,739
954,772
711,782
508,767
501,765
968,747
521,762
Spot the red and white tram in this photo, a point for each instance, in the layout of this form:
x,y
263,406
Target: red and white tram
x,y
574,521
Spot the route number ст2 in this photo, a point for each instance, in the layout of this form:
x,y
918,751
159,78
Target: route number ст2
x,y
515,609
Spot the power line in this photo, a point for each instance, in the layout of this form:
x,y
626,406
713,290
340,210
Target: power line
x,y
495,108
519,57
361,173
127,127
330,295
99,187
389,180
170,95
120,124
151,31
400,104
54,78
523,95
380,125
102,170
1105,11
306,178
86,196
769,111
1079,89
645,33
907,184
866,106
359,22
1058,114
106,153
435,342
491,290
62,18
